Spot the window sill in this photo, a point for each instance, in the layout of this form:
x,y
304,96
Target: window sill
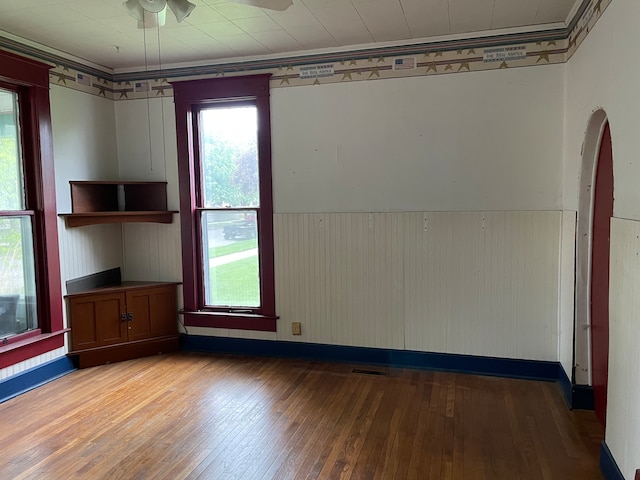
x,y
30,347
237,321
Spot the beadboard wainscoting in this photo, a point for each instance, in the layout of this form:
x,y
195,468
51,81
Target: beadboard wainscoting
x,y
478,283
34,362
152,251
623,424
88,250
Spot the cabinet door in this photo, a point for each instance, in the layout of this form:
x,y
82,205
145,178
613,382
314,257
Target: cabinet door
x,y
153,312
163,311
96,321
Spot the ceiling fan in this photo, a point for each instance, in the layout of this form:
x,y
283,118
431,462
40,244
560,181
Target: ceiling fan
x,y
151,13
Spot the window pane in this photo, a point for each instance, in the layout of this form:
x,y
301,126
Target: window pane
x,y
17,276
11,185
231,266
229,152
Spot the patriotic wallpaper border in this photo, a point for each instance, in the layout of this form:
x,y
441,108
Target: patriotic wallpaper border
x,y
432,58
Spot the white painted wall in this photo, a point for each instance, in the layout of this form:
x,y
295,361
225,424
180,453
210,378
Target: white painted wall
x,y
84,140
84,144
479,141
604,73
623,421
566,304
355,151
484,142
147,151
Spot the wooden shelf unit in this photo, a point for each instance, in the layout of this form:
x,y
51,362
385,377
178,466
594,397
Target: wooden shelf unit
x,y
98,202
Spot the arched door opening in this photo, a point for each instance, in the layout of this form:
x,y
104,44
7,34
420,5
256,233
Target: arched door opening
x,y
602,213
592,269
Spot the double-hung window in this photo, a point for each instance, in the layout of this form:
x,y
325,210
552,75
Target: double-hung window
x,y
224,160
17,267
30,284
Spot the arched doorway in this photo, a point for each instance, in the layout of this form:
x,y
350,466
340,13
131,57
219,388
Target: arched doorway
x,y
592,268
602,213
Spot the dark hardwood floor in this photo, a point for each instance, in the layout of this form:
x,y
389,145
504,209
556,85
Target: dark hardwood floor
x,y
225,417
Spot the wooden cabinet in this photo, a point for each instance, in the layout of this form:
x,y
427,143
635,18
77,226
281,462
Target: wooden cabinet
x,y
97,320
131,320
96,202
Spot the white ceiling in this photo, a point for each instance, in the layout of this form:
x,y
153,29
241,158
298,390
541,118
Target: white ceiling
x,y
102,32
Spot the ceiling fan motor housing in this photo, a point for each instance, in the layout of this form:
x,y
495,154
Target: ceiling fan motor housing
x,y
153,6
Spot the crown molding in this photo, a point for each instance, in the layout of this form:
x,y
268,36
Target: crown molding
x,y
111,83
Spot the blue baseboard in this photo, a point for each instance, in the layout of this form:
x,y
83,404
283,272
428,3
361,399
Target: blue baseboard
x,y
34,377
608,464
503,367
566,386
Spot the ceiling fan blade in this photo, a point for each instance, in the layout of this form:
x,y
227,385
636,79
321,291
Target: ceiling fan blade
x,y
279,5
181,8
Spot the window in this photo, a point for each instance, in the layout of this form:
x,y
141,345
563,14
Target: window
x,y
226,207
17,269
30,287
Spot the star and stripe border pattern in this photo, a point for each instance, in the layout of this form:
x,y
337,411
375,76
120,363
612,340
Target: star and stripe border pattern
x,y
427,59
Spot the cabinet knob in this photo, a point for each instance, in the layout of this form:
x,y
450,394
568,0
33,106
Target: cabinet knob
x,y
130,316
123,317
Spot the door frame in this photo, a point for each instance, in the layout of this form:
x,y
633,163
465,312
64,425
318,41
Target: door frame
x,y
582,373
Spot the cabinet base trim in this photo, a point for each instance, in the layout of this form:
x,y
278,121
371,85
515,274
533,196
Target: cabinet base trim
x,y
121,352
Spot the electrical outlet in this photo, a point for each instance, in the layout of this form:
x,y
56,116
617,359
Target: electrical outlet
x,y
296,328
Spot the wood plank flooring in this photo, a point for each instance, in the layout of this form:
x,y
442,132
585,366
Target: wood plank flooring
x,y
190,416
